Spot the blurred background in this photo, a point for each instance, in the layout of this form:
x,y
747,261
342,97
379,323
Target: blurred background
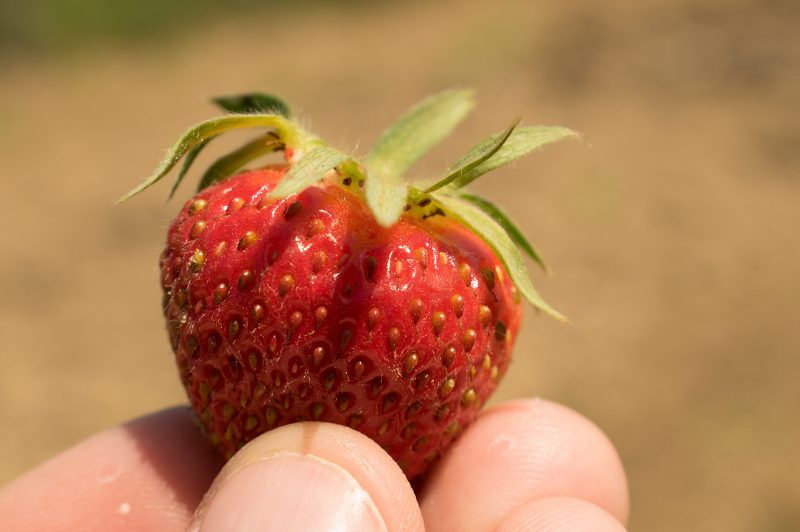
x,y
673,235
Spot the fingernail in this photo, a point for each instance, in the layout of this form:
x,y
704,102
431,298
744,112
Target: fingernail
x,y
290,492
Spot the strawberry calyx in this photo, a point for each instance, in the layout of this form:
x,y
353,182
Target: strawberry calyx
x,y
382,172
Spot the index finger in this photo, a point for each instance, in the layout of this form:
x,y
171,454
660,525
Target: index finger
x,y
517,453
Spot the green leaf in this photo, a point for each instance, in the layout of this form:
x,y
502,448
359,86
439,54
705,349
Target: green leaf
x,y
386,197
505,222
191,155
497,238
253,103
521,142
479,156
413,134
308,170
287,131
227,165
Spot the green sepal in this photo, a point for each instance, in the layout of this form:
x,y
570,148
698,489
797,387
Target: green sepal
x,y
309,169
191,155
521,142
253,103
499,240
505,222
227,165
386,197
479,156
289,133
418,130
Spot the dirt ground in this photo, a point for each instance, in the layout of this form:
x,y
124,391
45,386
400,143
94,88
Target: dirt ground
x,y
673,234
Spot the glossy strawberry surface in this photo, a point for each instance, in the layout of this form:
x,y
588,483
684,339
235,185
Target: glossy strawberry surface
x,y
304,308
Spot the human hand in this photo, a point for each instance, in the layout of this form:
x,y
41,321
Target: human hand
x,y
522,465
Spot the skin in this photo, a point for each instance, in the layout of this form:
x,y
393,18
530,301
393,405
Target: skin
x,y
522,465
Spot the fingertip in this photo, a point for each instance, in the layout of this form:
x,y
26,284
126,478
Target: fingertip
x,y
521,451
310,476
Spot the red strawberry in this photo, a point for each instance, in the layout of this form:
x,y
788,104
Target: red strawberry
x,y
327,289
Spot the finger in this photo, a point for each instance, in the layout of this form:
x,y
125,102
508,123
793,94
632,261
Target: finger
x,y
310,476
560,514
518,452
148,474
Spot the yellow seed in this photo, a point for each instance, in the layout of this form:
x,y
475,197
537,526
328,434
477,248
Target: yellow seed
x,y
320,314
458,304
437,321
315,227
197,260
343,402
469,339
485,315
317,409
469,397
245,279
250,423
234,205
271,415
220,293
373,316
318,261
198,227
393,337
420,443
259,391
447,386
358,369
410,362
285,285
295,320
415,307
197,206
465,272
256,313
318,355
228,411
205,391
421,254
247,240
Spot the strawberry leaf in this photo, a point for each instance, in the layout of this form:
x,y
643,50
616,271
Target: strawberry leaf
x,y
413,134
253,103
309,169
505,222
487,150
521,142
289,133
499,240
227,165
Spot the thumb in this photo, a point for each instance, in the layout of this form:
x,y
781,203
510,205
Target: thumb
x,y
309,476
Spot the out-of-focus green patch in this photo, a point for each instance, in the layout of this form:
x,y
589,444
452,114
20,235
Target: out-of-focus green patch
x,y
46,26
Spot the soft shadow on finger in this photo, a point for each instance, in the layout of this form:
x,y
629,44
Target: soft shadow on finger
x,y
518,452
148,474
560,514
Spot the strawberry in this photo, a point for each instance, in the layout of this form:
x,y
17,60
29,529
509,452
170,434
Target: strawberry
x,y
327,288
